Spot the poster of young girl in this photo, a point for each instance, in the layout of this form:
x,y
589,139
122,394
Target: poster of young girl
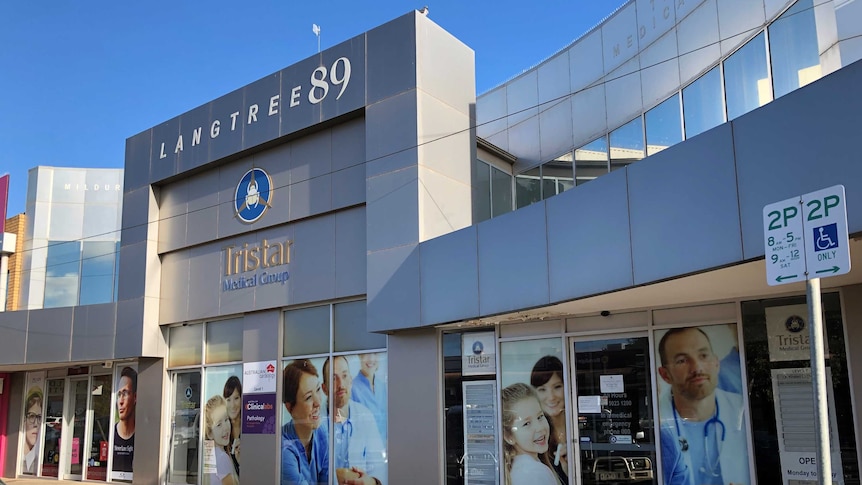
x,y
222,423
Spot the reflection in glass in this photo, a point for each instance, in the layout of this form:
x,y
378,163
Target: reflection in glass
x,y
349,330
746,78
306,331
53,428
224,341
591,160
79,425
528,187
663,125
62,267
482,191
793,48
557,176
97,462
501,192
185,428
185,345
97,272
627,144
701,103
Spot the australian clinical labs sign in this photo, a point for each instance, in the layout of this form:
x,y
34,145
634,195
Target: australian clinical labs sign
x,y
806,237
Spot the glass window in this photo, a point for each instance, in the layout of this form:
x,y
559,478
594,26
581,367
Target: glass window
x,y
501,192
224,341
557,176
627,144
793,48
97,468
62,266
306,331
482,191
350,328
701,104
663,125
185,345
746,78
185,427
528,187
591,160
97,272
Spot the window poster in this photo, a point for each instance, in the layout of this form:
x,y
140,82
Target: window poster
x,y
787,328
342,401
701,408
222,424
123,453
797,432
532,413
34,400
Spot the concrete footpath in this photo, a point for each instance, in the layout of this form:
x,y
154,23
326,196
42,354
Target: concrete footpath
x,y
37,481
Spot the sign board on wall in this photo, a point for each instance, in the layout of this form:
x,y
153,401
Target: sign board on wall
x,y
478,357
787,327
258,397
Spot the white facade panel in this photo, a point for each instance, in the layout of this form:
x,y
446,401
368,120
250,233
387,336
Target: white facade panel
x,y
659,70
491,113
524,142
555,129
697,37
589,117
553,80
738,21
585,61
655,17
620,37
623,94
522,98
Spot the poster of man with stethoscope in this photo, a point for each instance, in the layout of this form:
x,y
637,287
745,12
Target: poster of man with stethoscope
x,y
703,430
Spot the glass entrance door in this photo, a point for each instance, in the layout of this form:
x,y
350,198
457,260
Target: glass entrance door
x,y
185,427
77,422
96,448
53,434
614,414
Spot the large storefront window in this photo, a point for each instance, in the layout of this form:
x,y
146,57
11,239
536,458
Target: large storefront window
x,y
778,366
334,416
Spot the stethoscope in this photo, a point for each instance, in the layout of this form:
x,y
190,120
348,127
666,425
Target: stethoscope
x,y
683,442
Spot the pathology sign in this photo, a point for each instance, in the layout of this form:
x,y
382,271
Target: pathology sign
x,y
258,398
806,237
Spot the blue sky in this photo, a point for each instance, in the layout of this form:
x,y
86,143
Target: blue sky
x,y
78,78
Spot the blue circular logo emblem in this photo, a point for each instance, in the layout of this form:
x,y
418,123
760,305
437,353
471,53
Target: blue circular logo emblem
x,y
478,347
794,324
253,195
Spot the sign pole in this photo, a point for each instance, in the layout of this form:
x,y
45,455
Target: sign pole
x,y
818,380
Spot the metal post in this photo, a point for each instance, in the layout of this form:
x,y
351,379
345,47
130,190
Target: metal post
x,y
818,380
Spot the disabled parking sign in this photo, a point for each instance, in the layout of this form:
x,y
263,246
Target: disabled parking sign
x,y
806,237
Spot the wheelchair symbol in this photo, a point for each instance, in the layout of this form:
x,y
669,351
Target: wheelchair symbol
x,y
825,237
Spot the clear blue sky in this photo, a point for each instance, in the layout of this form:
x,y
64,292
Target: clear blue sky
x,y
79,77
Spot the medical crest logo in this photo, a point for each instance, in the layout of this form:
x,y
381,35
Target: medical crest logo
x,y
478,348
253,195
794,324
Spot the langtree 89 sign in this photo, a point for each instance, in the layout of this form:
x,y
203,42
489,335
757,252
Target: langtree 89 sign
x,y
806,237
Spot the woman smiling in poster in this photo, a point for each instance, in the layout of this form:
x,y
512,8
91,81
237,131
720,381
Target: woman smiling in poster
x,y
233,396
547,379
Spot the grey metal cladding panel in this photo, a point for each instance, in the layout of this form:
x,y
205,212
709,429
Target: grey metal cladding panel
x,y
229,138
174,287
130,328
311,156
655,17
264,125
348,144
798,144
449,272
659,70
392,208
257,337
13,336
350,253
277,162
577,220
391,128
773,7
133,270
195,128
555,129
623,94
697,38
312,261
684,210
738,20
203,208
173,215
49,335
137,165
311,197
685,7
513,261
585,61
522,98
273,295
620,37
164,142
391,58
393,289
491,113
348,187
340,101
524,143
589,117
205,281
135,215
554,82
93,332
